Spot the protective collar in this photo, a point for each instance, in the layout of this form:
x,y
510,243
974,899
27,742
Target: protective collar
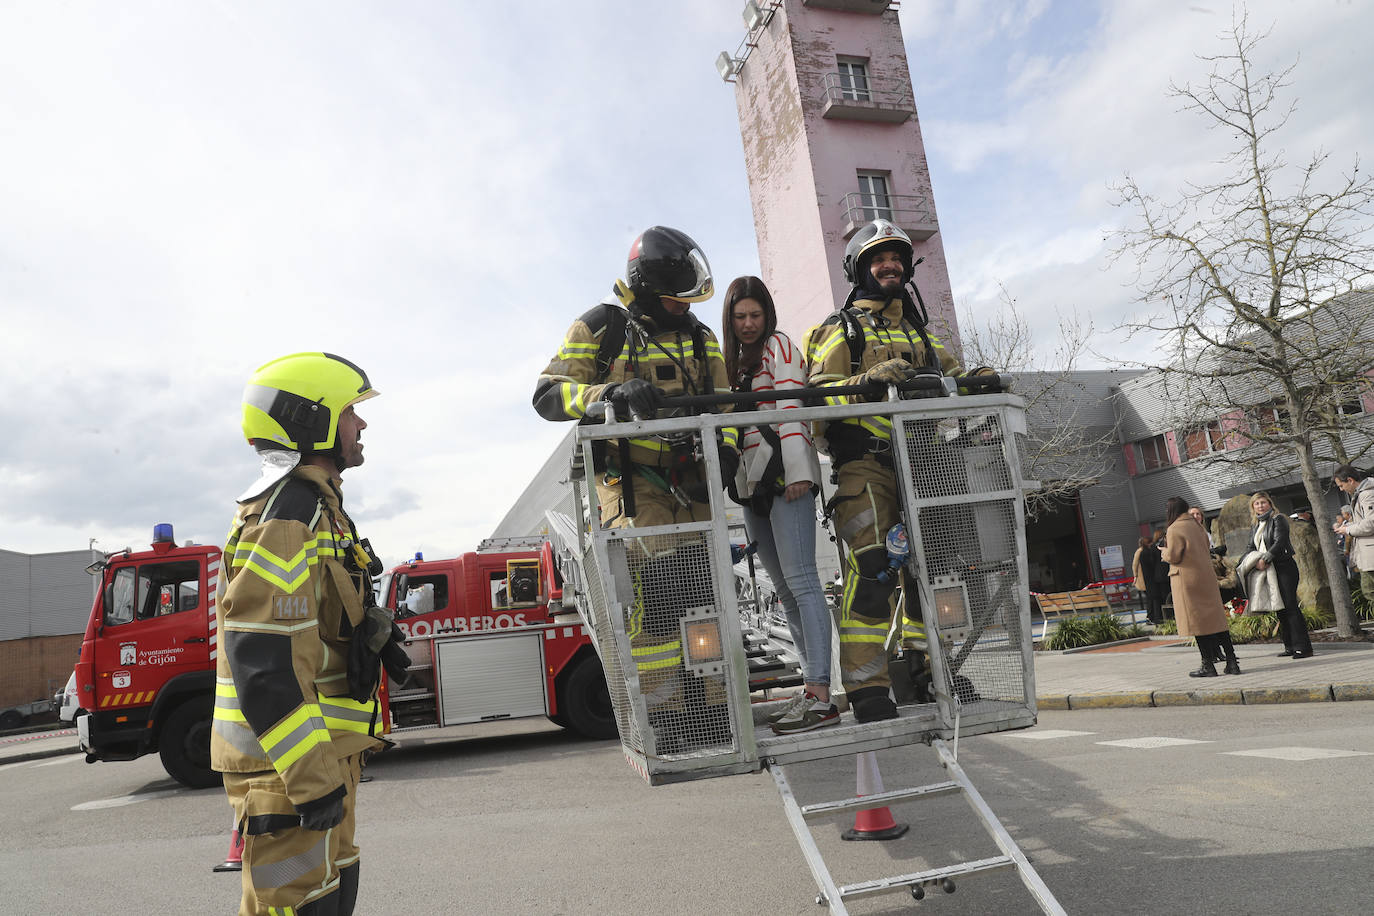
x,y
276,464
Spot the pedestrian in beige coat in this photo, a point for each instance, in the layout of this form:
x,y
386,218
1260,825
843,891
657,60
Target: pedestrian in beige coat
x,y
1197,597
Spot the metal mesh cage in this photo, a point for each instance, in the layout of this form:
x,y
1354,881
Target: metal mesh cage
x,y
674,624
664,592
971,540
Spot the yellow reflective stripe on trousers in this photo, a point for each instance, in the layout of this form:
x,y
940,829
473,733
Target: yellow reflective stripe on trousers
x,y
294,736
857,631
913,629
658,655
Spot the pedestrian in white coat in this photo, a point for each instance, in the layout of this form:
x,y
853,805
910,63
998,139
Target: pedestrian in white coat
x,y
1353,483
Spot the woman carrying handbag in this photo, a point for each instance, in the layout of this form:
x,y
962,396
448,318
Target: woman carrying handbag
x,y
776,483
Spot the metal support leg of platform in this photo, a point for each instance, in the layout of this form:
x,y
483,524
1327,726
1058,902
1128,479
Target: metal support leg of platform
x,y
834,896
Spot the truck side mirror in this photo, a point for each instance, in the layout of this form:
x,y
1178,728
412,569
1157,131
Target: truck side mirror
x,y
398,594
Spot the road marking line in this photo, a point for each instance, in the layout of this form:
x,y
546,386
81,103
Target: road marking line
x,y
1041,734
70,758
1297,753
123,800
1150,742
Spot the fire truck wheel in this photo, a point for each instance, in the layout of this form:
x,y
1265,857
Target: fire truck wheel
x,y
586,703
11,718
184,745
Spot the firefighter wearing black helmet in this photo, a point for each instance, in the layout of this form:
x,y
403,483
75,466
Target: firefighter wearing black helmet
x,y
631,351
878,335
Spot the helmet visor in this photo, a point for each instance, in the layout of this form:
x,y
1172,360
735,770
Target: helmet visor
x,y
686,277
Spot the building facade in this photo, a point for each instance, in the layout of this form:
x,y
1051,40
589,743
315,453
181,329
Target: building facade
x,y
45,601
831,142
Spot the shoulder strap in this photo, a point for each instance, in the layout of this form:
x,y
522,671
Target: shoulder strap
x,y
853,335
609,321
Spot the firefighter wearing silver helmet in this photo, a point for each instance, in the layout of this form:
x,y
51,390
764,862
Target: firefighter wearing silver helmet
x,y
631,350
878,335
296,684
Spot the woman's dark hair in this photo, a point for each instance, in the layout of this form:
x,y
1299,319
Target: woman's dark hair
x,y
1177,506
744,288
1146,542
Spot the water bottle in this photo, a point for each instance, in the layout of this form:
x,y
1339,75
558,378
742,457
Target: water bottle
x,y
897,549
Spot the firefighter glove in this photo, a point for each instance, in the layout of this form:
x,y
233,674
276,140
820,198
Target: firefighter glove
x,y
635,399
729,465
376,643
890,372
323,817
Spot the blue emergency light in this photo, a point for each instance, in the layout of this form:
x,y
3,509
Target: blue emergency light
x,y
162,534
419,557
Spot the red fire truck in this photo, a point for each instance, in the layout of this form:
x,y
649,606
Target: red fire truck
x,y
490,640
145,678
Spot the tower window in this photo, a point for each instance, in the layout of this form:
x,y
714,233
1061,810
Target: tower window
x,y
874,196
853,82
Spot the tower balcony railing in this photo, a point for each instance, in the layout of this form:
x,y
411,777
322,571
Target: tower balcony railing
x,y
854,6
914,214
842,99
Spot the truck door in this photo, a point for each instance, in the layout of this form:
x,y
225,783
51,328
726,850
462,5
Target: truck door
x,y
155,627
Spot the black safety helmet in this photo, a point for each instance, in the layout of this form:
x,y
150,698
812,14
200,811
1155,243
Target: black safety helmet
x,y
666,262
877,236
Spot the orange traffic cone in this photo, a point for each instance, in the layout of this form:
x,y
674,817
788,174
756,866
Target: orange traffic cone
x,y
234,861
872,823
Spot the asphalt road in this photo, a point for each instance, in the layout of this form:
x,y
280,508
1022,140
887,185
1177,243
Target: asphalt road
x,y
522,818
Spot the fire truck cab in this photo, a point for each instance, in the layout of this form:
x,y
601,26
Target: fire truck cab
x,y
145,678
489,638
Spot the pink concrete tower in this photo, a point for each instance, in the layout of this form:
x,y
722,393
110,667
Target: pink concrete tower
x,y
831,142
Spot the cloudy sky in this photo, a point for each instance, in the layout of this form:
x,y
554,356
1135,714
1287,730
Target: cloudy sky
x,y
434,190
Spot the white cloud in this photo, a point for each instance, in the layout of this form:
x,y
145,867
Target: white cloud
x,y
436,190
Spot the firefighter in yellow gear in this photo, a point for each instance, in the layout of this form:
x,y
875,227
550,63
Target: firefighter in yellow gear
x,y
878,335
631,351
296,679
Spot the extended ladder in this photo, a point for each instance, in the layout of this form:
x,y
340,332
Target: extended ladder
x,y
834,895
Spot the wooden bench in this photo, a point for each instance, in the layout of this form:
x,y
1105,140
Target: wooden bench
x,y
1085,602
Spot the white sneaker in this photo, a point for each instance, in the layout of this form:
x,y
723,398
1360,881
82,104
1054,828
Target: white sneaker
x,y
800,701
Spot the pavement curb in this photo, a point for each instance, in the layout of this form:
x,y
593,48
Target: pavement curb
x,y
37,755
1246,696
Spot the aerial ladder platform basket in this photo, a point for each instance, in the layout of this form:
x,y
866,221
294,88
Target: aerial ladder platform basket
x,y
662,604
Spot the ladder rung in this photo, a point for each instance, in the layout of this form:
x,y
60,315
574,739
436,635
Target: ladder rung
x,y
878,800
886,885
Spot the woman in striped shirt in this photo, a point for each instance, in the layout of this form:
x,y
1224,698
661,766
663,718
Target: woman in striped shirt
x,y
777,482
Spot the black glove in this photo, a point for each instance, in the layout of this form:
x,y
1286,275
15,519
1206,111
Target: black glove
x,y
324,816
729,465
635,399
375,642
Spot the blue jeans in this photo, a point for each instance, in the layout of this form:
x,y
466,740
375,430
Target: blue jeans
x,y
787,547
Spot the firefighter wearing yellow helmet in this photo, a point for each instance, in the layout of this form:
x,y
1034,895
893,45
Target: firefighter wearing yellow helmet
x,y
631,351
296,684
878,335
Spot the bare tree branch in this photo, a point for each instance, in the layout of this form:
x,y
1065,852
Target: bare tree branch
x,y
1255,269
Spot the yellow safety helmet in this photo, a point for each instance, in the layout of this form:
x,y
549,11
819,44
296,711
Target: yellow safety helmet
x,y
294,402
